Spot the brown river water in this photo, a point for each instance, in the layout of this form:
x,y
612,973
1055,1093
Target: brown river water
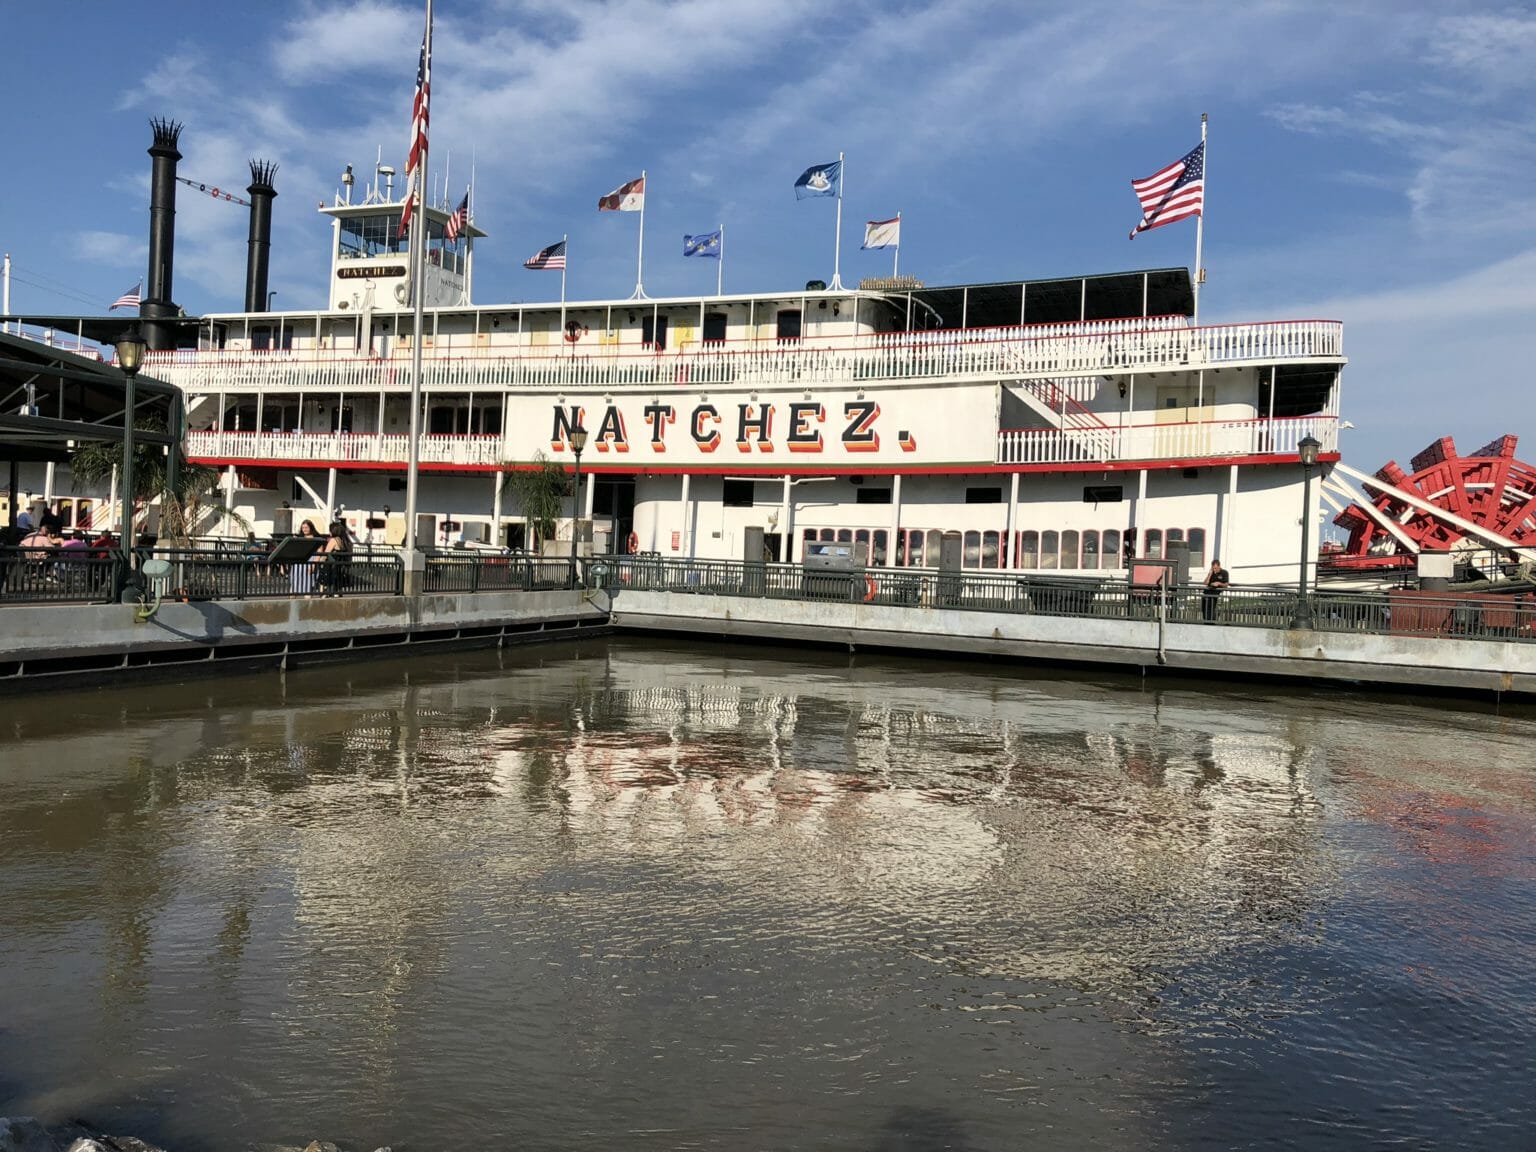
x,y
633,894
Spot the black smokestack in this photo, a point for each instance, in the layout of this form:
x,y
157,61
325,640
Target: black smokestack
x,y
162,235
260,243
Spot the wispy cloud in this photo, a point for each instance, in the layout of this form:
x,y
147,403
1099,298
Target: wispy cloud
x,y
112,248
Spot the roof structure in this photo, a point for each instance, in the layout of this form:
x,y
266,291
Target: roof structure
x,y
50,398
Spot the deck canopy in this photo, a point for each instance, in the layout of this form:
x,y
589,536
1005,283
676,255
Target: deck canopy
x,y
49,397
1153,292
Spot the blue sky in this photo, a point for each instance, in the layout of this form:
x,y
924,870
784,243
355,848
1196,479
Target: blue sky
x,y
1368,162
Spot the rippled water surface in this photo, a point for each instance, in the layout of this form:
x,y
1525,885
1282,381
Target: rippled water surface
x,y
624,896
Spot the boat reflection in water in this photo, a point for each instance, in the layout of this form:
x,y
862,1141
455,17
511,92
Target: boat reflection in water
x,y
622,895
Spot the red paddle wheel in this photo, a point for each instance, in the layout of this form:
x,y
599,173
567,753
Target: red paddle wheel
x,y
1490,488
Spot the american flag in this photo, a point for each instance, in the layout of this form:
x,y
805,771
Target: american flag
x,y
457,221
420,116
551,258
1175,193
129,299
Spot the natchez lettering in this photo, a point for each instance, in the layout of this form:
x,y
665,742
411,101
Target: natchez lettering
x,y
754,427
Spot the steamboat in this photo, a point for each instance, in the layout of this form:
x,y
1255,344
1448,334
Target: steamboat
x,y
1072,424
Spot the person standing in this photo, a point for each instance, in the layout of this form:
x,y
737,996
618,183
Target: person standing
x,y
1216,581
301,575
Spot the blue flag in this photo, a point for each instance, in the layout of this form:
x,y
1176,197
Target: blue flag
x,y
706,244
819,180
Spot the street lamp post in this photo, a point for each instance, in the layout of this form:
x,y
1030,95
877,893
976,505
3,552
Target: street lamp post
x,y
130,354
578,445
1308,450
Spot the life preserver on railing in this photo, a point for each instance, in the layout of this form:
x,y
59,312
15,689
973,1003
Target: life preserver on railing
x,y
400,292
632,545
871,589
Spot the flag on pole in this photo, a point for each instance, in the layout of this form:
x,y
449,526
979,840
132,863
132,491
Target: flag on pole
x,y
819,180
1175,193
547,259
882,234
707,244
457,221
420,117
627,197
129,299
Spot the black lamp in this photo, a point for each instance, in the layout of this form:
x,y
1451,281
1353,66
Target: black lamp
x,y
1307,449
130,355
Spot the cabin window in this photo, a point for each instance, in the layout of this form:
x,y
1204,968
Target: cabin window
x,y
1130,544
789,324
1196,549
881,538
653,332
1069,549
1090,549
911,554
1110,557
1050,546
1175,534
442,421
983,495
971,555
1029,549
845,535
872,496
714,327
989,550
344,419
738,493
1154,544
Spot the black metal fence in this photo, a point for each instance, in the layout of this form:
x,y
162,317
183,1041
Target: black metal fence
x,y
1504,617
491,572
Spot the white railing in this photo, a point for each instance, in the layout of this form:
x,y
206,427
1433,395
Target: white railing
x,y
995,353
1184,441
342,448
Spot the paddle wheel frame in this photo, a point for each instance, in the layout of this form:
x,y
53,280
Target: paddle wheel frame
x,y
1489,488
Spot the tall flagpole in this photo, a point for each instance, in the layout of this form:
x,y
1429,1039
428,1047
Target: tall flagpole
x,y
640,253
418,253
837,244
1205,161
896,263
566,240
720,264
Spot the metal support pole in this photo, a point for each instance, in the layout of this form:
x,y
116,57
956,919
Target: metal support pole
x,y
1303,616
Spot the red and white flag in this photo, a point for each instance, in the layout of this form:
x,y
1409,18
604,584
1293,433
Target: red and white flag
x,y
457,221
628,197
129,299
1174,193
420,118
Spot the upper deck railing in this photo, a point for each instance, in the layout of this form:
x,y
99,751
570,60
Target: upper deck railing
x,y
944,356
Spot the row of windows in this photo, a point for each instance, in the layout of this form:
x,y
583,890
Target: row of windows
x,y
1071,549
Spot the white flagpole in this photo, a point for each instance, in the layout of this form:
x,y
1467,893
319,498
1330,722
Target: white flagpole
x,y
418,254
1205,160
720,264
896,263
566,240
837,243
640,253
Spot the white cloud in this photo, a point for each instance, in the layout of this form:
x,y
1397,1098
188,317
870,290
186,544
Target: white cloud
x,y
111,248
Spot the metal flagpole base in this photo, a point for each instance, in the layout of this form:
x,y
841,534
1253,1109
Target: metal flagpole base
x,y
639,293
837,283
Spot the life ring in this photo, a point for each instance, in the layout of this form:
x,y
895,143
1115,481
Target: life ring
x,y
632,545
871,589
400,292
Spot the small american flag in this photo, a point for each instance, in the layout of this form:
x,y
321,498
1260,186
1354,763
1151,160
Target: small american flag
x,y
457,221
551,258
1175,193
129,299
